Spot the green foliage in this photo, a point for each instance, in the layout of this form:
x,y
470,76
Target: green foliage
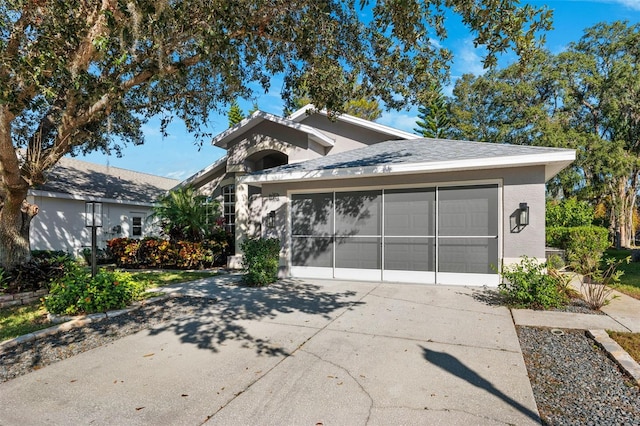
x,y
527,285
261,259
585,98
186,215
154,252
77,292
361,106
569,213
585,246
235,114
433,116
596,285
84,76
557,237
368,109
44,266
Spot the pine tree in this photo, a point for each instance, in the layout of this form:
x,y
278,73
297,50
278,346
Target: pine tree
x,y
433,118
235,114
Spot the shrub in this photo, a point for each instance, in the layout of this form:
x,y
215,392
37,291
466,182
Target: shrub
x,y
557,236
102,256
527,285
160,253
155,253
595,287
38,273
124,251
261,258
585,246
77,292
569,213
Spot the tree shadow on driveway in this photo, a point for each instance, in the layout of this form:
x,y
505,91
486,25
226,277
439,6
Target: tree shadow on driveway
x,y
454,366
216,323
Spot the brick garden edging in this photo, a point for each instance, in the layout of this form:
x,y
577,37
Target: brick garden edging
x,y
66,323
19,299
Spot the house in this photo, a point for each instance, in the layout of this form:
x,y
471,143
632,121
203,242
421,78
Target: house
x,y
127,198
353,199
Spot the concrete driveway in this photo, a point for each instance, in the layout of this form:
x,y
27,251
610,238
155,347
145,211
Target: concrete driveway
x,y
301,353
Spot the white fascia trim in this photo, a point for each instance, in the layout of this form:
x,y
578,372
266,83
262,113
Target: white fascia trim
x,y
300,114
49,194
197,177
563,158
257,117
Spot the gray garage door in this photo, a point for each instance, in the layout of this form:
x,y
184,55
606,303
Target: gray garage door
x,y
445,235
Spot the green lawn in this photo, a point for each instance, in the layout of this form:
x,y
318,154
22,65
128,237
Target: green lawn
x,y
630,281
630,342
18,320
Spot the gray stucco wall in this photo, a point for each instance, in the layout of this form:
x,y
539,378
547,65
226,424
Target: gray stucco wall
x,y
525,184
347,136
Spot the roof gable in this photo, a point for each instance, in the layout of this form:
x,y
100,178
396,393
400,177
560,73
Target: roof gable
x,y
223,139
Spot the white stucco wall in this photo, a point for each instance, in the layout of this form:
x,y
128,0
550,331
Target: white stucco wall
x,y
60,224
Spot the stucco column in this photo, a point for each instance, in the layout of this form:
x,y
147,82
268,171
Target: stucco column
x,y
241,224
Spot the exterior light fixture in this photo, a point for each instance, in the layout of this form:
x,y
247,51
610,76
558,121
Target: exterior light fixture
x,y
93,220
523,214
93,214
271,219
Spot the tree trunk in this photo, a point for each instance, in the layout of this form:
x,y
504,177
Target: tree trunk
x,y
15,219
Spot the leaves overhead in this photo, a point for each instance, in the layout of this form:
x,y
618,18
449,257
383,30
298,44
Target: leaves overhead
x,y
586,98
78,76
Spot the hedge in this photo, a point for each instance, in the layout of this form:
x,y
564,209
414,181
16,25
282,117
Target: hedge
x,y
159,253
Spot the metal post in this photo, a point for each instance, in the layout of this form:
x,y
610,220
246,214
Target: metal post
x,y
93,251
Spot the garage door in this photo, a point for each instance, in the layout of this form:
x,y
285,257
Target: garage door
x,y
446,235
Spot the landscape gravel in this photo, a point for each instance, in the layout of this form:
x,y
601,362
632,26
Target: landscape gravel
x,y
575,382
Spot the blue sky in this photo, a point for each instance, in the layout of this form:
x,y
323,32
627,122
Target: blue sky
x,y
177,156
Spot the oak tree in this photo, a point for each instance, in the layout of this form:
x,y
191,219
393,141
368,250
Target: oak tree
x,y
84,75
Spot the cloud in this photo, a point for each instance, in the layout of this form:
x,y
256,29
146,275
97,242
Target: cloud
x,y
631,4
399,120
468,58
180,175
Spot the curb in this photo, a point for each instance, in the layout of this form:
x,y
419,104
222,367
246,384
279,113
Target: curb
x,y
66,323
615,351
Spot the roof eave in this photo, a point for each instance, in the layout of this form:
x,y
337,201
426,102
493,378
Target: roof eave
x,y
302,113
553,162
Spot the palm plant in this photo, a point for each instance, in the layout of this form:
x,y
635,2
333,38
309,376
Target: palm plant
x,y
185,215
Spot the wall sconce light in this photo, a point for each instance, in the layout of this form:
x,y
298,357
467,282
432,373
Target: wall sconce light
x,y
523,214
271,219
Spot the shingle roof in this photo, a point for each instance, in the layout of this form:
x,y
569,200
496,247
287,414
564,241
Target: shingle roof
x,y
416,155
81,178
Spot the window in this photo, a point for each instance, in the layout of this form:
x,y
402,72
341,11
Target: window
x,y
136,226
229,206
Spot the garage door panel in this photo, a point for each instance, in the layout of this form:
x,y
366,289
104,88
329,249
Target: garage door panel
x,y
358,253
358,213
409,254
312,251
409,212
468,255
312,214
